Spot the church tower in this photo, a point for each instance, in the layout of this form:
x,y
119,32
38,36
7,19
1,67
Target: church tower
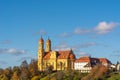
x,y
40,53
48,45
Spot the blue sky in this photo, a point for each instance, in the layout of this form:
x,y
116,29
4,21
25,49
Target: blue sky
x,y
88,27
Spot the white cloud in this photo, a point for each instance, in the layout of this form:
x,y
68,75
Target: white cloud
x,y
84,53
65,46
62,46
41,32
83,45
13,51
87,44
104,27
81,31
64,34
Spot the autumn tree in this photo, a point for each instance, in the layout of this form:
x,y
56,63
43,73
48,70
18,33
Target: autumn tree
x,y
96,73
33,69
8,72
25,75
16,68
1,71
15,76
48,71
24,64
4,77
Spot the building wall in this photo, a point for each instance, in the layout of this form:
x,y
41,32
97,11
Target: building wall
x,y
49,62
80,66
57,64
118,67
52,60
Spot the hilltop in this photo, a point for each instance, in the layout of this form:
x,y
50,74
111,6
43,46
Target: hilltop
x,y
30,72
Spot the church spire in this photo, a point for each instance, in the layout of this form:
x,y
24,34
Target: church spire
x,y
48,45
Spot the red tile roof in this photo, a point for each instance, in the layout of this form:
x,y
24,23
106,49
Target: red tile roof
x,y
83,59
104,60
61,55
95,60
46,55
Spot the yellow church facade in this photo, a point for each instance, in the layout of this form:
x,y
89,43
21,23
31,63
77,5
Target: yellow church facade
x,y
59,60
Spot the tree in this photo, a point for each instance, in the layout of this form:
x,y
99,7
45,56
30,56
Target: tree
x,y
1,71
25,75
4,77
59,75
77,75
49,70
33,68
16,68
8,72
96,73
24,64
36,78
15,76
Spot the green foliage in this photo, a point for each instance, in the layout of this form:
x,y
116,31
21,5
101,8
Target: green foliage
x,y
59,75
53,78
114,77
45,78
36,78
3,77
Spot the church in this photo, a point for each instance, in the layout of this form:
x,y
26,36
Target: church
x,y
59,60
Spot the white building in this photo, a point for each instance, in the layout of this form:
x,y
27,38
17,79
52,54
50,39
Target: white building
x,y
85,64
118,67
82,66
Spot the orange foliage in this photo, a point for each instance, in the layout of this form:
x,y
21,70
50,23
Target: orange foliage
x,y
97,72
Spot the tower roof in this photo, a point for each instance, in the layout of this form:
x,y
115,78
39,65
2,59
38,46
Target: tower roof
x,y
48,41
41,39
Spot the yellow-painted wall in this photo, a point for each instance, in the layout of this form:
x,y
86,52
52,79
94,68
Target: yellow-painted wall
x,y
57,64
